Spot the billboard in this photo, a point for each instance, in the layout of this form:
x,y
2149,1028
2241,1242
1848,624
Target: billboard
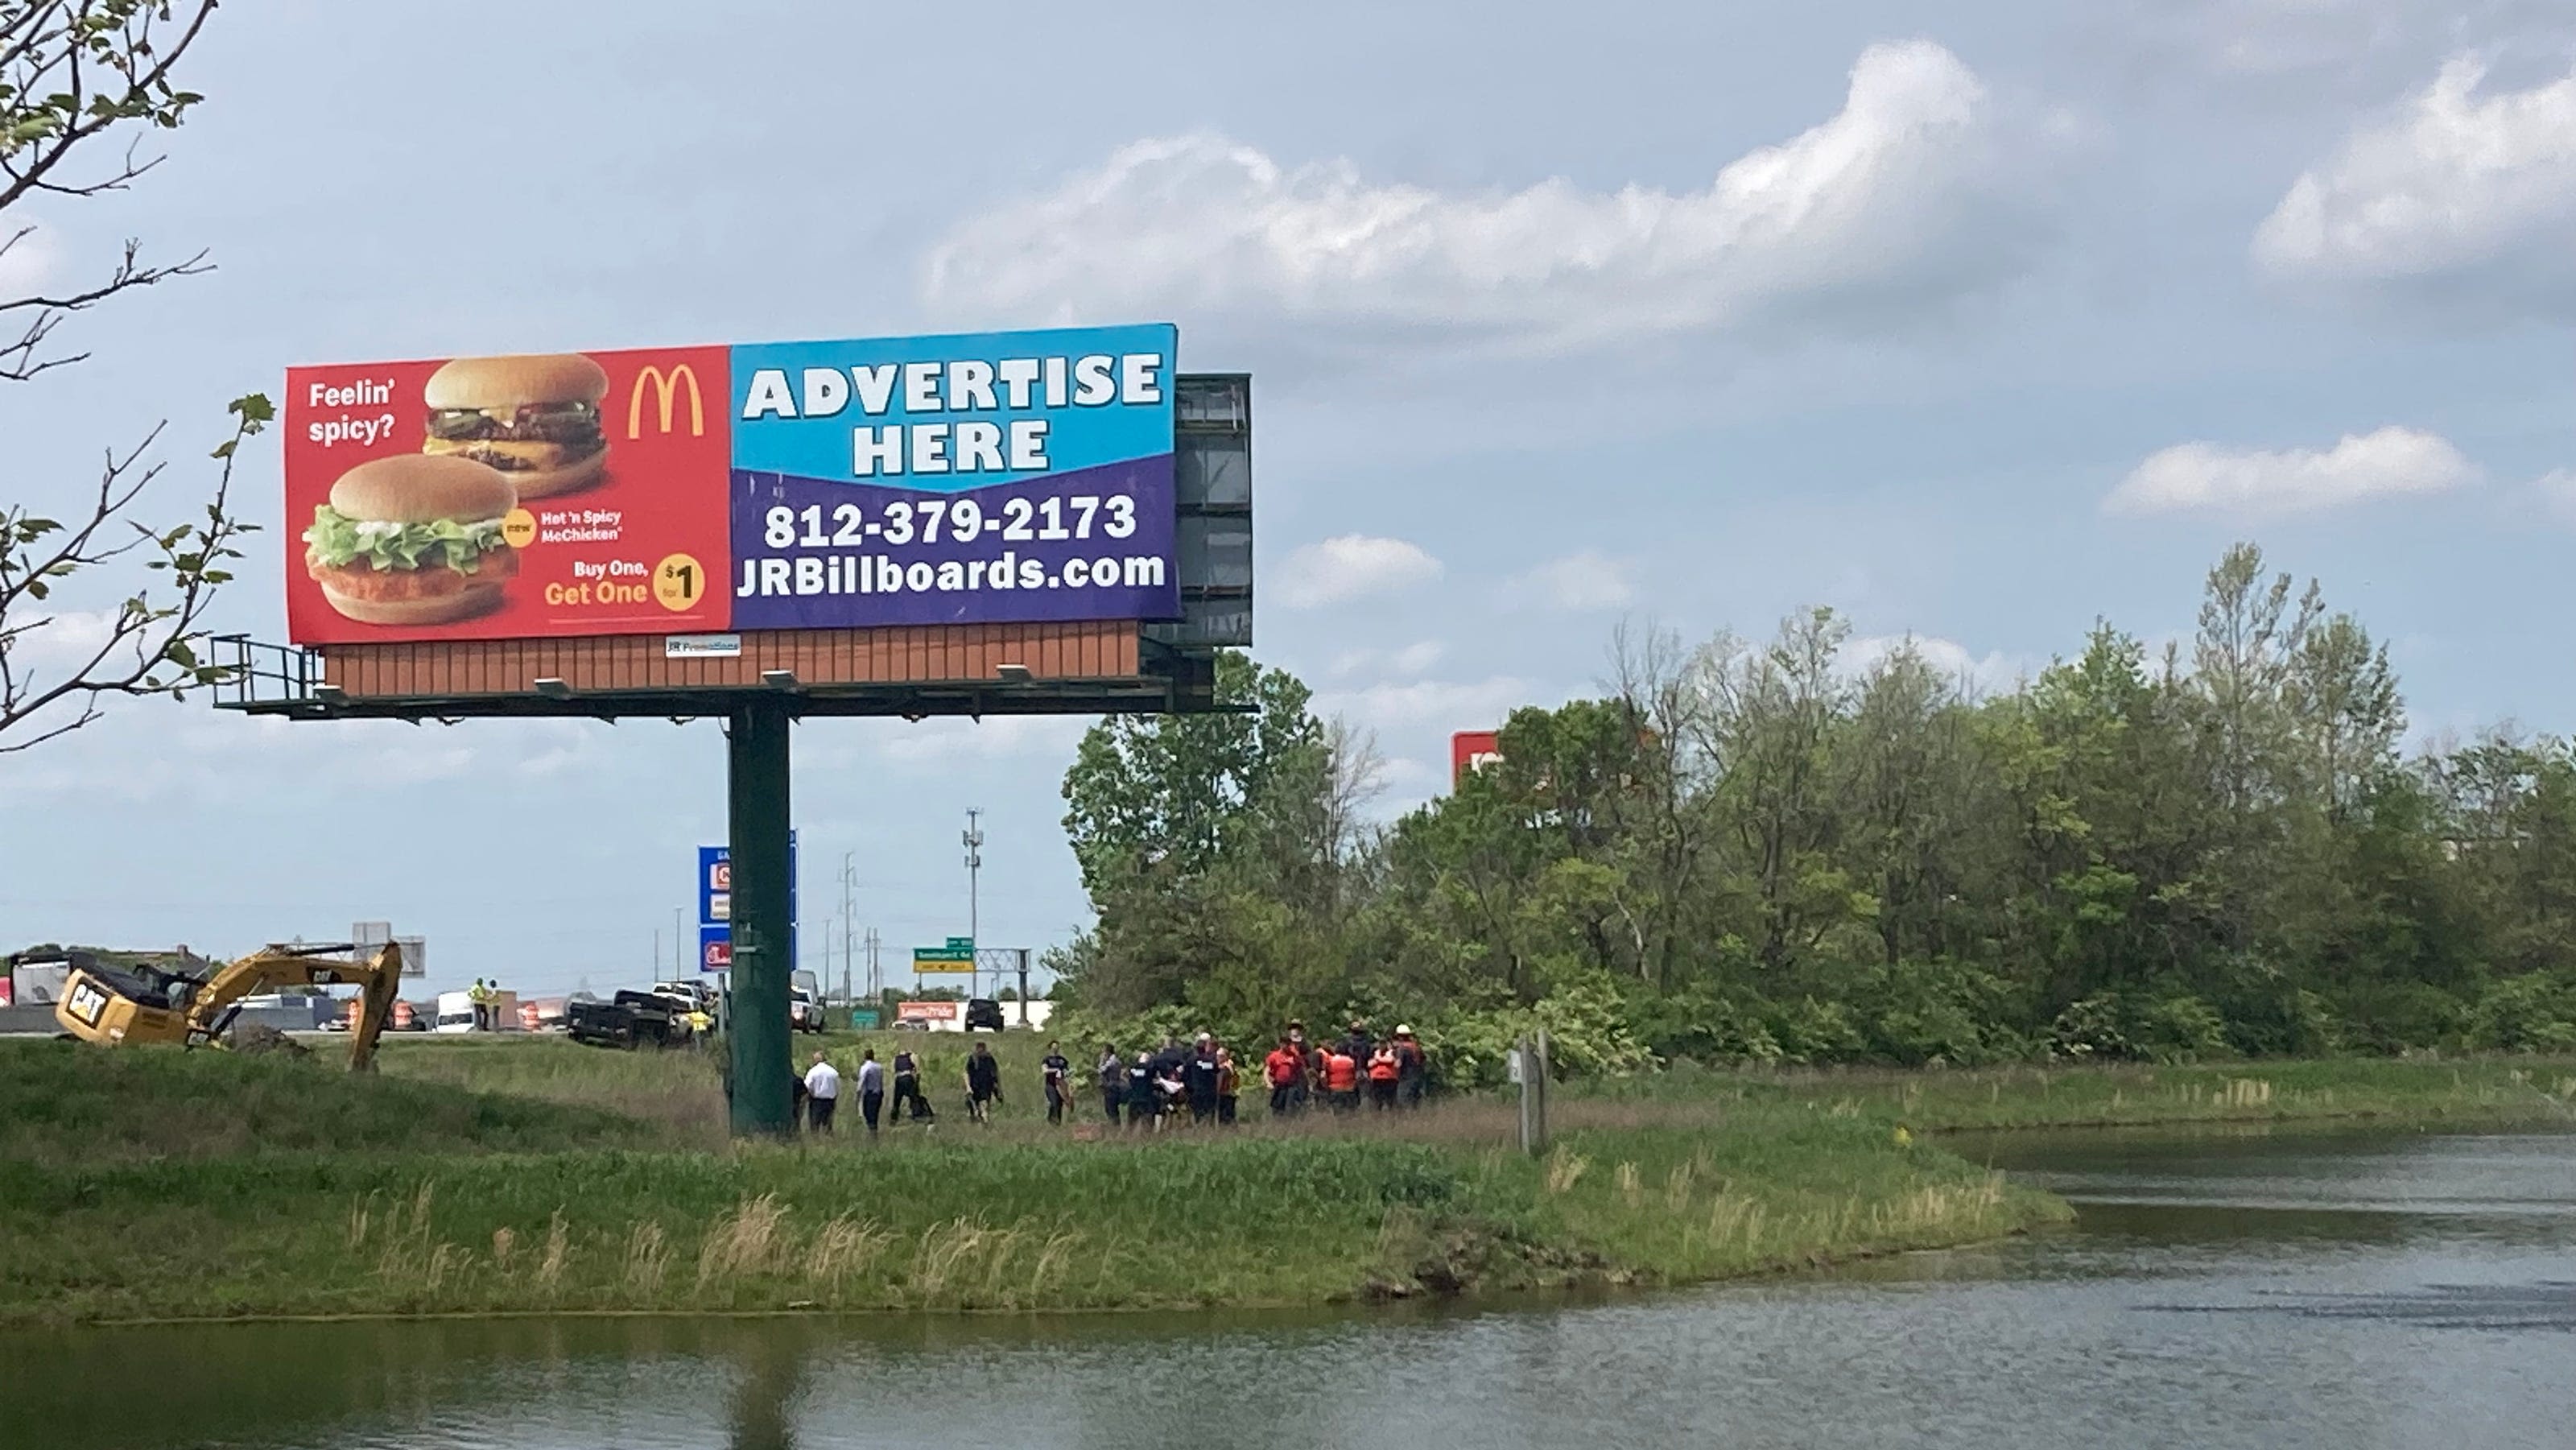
x,y
990,478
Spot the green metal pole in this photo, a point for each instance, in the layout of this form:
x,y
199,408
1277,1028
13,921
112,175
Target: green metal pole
x,y
762,956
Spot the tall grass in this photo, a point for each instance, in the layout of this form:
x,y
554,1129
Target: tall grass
x,y
486,1176
966,1223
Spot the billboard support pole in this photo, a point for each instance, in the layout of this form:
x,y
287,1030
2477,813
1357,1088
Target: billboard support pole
x,y
757,741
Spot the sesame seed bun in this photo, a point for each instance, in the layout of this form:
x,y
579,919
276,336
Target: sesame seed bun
x,y
421,488
516,381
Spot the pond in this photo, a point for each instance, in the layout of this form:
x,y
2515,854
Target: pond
x,y
2268,1289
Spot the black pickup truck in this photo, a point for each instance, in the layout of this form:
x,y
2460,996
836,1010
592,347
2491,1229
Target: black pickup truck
x,y
630,1020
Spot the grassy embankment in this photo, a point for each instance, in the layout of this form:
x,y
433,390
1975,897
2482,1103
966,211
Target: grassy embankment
x,y
152,1183
479,1177
2468,1093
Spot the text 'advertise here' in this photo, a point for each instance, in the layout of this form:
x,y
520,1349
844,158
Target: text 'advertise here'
x,y
995,478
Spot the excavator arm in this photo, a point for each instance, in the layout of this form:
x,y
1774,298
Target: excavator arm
x,y
378,977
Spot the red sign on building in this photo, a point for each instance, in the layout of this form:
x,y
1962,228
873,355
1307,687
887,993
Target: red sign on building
x,y
1472,750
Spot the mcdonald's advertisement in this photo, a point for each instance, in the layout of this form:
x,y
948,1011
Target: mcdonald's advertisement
x,y
985,478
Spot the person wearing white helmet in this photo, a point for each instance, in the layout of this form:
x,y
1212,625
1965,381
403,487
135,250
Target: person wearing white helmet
x,y
1412,1068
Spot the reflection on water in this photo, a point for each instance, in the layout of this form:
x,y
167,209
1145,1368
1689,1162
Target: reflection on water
x,y
2240,1290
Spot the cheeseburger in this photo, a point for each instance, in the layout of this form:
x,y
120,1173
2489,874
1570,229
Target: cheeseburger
x,y
535,418
413,539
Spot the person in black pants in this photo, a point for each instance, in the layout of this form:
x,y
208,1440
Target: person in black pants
x,y
871,1088
907,1088
1113,1081
1200,1072
1142,1093
983,1083
1058,1075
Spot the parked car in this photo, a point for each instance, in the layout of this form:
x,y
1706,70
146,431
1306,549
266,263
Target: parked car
x,y
984,1012
804,1014
629,1020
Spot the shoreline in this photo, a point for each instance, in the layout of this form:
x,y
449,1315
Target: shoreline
x,y
437,1201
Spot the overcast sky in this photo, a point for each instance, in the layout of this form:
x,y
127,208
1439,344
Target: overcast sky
x,y
1978,328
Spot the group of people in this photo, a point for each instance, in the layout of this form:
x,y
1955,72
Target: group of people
x,y
818,1092
1199,1081
485,998
1156,1087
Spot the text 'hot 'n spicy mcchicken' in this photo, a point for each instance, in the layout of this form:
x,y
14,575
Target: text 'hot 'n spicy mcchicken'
x,y
534,417
413,540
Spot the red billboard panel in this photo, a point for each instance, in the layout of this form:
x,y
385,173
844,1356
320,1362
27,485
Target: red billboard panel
x,y
507,497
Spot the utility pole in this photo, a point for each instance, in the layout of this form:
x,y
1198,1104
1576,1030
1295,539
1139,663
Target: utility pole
x,y
876,986
679,969
974,839
849,884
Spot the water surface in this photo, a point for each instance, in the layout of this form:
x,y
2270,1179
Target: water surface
x,y
2218,1290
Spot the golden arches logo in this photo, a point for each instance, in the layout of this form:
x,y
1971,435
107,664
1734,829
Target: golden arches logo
x,y
666,388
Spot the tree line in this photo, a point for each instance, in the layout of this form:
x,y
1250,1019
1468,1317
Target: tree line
x,y
1763,852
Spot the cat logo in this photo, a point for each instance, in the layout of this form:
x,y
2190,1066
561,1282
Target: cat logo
x,y
86,1002
666,388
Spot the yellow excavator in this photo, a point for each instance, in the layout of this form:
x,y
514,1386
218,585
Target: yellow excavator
x,y
112,1006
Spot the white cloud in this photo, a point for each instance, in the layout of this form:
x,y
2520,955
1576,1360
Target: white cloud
x,y
62,641
27,261
1445,704
1877,203
2556,490
184,754
948,738
2457,182
1409,660
1354,566
2253,484
1948,658
1585,580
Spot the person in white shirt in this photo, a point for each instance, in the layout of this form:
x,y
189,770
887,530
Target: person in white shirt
x,y
822,1093
871,1088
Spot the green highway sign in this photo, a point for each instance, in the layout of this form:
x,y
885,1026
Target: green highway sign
x,y
961,944
943,959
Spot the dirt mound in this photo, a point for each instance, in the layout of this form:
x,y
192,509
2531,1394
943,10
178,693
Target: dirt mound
x,y
261,1040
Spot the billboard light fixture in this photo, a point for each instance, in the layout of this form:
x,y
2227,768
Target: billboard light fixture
x,y
553,688
1014,674
779,679
330,694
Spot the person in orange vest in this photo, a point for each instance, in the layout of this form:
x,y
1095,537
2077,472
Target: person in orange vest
x,y
1383,1070
1342,1078
1229,1084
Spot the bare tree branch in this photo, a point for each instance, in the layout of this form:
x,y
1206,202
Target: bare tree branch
x,y
72,73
